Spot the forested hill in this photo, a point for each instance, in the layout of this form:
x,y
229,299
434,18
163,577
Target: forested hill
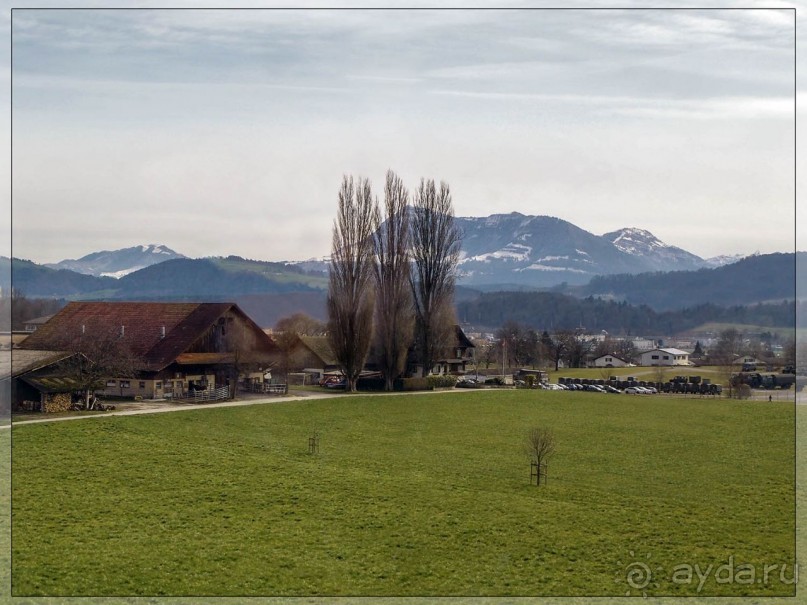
x,y
760,278
176,279
549,311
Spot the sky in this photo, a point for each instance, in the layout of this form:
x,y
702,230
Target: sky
x,y
218,132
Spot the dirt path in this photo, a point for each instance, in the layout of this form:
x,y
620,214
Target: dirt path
x,y
148,407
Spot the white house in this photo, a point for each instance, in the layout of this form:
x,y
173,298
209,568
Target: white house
x,y
610,361
664,357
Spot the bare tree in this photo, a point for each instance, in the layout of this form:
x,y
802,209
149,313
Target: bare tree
x,y
436,243
350,292
484,351
725,354
100,356
540,446
560,345
626,350
300,323
393,313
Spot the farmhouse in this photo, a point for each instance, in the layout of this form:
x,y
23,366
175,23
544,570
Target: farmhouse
x,y
175,348
453,359
610,361
665,357
311,355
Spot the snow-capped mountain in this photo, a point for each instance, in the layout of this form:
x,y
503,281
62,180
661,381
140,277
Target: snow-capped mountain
x,y
657,255
541,251
726,259
117,263
544,251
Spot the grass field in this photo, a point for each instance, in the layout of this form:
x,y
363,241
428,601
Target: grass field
x,y
409,495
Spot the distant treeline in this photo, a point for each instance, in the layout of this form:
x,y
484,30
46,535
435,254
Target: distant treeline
x,y
16,310
546,310
760,278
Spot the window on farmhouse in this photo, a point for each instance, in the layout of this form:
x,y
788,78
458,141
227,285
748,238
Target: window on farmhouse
x,y
124,384
111,383
142,385
654,357
158,384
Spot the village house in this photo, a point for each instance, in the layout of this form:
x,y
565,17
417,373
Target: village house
x,y
176,349
664,357
314,356
609,361
307,357
453,359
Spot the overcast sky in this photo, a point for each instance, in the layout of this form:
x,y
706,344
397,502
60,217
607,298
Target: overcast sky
x,y
220,132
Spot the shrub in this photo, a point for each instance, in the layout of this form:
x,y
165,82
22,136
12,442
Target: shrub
x,y
742,391
415,384
442,382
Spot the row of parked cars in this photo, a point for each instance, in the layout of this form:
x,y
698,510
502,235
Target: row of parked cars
x,y
599,388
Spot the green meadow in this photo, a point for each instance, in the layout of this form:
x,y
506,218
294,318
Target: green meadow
x,y
409,495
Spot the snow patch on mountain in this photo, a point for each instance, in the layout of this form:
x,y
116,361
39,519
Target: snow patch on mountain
x,y
122,272
725,259
511,252
540,267
118,263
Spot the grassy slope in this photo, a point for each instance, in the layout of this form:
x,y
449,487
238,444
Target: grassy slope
x,y
410,495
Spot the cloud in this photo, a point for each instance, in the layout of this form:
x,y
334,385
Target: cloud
x,y
720,108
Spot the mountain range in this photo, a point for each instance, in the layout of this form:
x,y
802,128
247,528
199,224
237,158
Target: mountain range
x,y
502,249
542,251
511,252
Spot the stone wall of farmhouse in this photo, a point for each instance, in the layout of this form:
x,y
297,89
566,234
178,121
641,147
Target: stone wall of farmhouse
x,y
56,402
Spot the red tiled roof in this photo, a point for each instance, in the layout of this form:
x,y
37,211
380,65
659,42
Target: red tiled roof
x,y
156,333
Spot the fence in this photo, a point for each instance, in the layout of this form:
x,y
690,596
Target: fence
x,y
211,394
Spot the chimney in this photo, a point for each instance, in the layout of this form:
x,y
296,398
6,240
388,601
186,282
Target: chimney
x,y
162,331
82,328
122,331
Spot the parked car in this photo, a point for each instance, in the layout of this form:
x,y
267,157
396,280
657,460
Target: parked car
x,y
609,389
595,388
330,379
633,391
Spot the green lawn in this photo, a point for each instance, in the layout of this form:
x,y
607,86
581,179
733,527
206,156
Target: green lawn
x,y
410,495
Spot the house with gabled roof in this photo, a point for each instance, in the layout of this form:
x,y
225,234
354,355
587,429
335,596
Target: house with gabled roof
x,y
609,361
665,357
177,348
453,358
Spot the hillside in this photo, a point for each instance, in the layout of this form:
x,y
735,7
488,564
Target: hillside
x,y
176,279
760,278
43,282
552,311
